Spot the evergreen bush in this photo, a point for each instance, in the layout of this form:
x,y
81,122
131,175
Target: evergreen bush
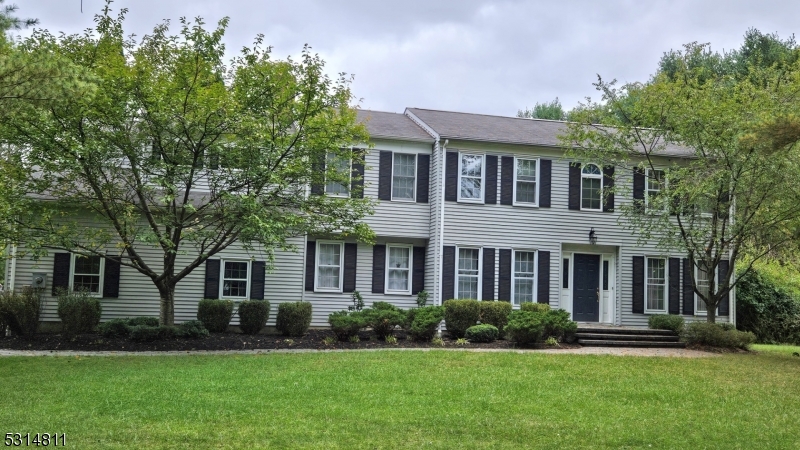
x,y
495,313
716,335
666,322
21,310
460,315
253,315
215,314
425,322
293,318
346,324
482,333
79,312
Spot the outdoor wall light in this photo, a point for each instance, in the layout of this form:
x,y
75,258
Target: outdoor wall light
x,y
592,237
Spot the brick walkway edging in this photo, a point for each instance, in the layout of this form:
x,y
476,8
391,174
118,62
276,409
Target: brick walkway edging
x,y
658,352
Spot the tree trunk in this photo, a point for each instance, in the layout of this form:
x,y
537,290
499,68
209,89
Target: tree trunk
x,y
167,310
711,315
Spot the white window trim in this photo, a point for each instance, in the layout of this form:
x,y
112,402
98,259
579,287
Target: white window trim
x,y
666,285
99,292
483,178
596,177
347,186
480,271
647,190
697,299
407,200
535,204
222,279
341,267
535,276
410,269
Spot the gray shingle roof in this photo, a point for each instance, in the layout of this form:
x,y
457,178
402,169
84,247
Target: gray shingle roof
x,y
508,130
392,125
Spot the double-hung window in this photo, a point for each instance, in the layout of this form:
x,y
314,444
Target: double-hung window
x,y
87,274
656,285
470,177
468,276
398,268
591,188
404,176
655,183
330,259
524,277
525,185
235,279
703,285
344,171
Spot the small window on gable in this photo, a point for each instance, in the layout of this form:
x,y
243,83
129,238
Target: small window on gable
x,y
87,274
525,182
343,169
470,177
404,176
235,279
591,188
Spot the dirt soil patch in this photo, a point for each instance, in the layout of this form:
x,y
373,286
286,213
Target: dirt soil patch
x,y
313,340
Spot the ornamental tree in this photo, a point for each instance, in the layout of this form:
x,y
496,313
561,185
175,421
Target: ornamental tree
x,y
173,151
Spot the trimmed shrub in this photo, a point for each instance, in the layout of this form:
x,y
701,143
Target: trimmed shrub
x,y
192,329
535,307
215,314
384,321
482,333
384,306
558,324
294,318
666,322
525,327
460,315
115,328
424,322
346,324
495,313
768,306
144,333
253,315
147,321
20,311
716,335
79,312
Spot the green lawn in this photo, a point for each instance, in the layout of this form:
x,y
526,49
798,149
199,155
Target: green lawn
x,y
409,399
777,348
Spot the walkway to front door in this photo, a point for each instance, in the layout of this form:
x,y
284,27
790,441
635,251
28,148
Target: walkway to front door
x,y
586,288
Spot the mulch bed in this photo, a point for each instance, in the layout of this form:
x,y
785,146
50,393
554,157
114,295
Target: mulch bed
x,y
313,340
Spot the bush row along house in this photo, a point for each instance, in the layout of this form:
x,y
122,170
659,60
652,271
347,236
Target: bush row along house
x,y
467,206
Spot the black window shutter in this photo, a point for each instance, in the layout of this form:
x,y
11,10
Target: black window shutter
x,y
490,197
418,277
350,258
212,279
318,169
674,286
357,175
385,176
61,262
504,278
688,291
258,273
378,269
111,277
423,177
546,169
574,186
608,183
449,272
487,291
543,278
724,306
507,181
451,177
638,188
311,260
638,284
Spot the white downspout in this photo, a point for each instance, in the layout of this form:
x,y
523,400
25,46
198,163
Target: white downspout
x,y
12,275
303,283
441,220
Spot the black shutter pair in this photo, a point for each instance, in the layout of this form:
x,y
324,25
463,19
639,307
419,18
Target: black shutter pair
x,y
212,279
673,285
356,176
379,269
61,265
385,176
574,199
350,266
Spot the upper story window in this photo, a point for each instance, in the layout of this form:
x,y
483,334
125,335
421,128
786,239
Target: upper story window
x,y
341,166
404,176
398,265
525,185
591,188
470,177
655,183
235,279
703,285
656,285
87,273
468,276
330,259
524,277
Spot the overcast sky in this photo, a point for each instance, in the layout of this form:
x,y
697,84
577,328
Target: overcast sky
x,y
490,57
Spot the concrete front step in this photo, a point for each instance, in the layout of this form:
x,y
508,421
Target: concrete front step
x,y
626,337
639,344
627,331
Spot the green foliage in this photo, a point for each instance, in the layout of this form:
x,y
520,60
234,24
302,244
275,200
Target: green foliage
x,y
535,307
437,342
354,339
253,315
215,314
294,318
392,340
9,21
482,333
422,323
329,340
551,341
79,312
142,320
666,322
495,313
144,333
384,317
358,302
192,329
422,298
766,306
558,324
346,324
21,310
551,111
115,328
525,327
716,335
146,329
460,315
